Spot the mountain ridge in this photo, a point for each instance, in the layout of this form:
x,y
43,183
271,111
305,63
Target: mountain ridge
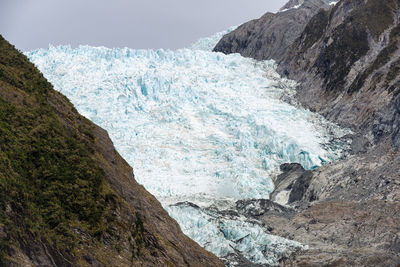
x,y
271,35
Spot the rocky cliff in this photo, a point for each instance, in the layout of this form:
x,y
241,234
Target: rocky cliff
x,y
67,197
270,36
347,59
346,62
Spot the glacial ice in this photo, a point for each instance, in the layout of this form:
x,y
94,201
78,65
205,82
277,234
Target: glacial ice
x,y
208,43
196,126
223,235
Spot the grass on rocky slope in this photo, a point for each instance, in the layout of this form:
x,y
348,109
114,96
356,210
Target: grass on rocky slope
x,y
51,187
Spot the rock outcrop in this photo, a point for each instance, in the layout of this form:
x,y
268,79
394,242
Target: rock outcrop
x,y
270,36
346,59
67,197
343,233
346,62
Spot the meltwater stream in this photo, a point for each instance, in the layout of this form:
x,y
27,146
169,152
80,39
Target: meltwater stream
x,y
200,129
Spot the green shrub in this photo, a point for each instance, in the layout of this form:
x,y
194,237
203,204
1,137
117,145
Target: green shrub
x,y
50,182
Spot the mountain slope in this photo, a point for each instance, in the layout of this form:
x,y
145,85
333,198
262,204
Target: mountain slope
x,y
347,72
351,66
346,64
67,197
270,36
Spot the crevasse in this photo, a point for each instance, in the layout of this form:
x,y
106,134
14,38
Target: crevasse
x,y
196,126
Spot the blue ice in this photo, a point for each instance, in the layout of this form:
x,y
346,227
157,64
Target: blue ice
x,y
196,126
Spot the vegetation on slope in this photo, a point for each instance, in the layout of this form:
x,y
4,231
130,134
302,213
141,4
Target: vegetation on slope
x,y
51,187
67,198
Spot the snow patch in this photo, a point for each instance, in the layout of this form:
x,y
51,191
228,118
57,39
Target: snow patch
x,y
286,9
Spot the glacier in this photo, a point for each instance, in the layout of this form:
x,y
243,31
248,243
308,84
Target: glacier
x,y
208,43
200,129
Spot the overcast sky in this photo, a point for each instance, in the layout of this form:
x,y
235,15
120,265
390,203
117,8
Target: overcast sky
x,y
31,24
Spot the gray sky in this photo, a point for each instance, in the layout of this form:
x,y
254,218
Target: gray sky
x,y
31,24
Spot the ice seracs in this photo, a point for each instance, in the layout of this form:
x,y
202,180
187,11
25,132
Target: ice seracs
x,y
225,235
196,126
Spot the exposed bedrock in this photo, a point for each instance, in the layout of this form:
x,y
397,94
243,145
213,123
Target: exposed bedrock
x,y
344,233
346,60
344,56
270,36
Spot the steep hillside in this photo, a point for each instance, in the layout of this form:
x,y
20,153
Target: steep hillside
x,y
270,36
346,63
347,69
350,64
67,197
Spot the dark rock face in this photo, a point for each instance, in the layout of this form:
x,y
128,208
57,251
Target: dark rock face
x,y
348,71
346,60
288,169
396,122
294,178
300,187
270,36
345,57
259,207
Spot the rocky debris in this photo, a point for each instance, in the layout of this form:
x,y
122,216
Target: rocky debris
x,y
291,184
359,144
344,233
360,177
346,61
270,36
255,208
340,233
373,175
237,260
